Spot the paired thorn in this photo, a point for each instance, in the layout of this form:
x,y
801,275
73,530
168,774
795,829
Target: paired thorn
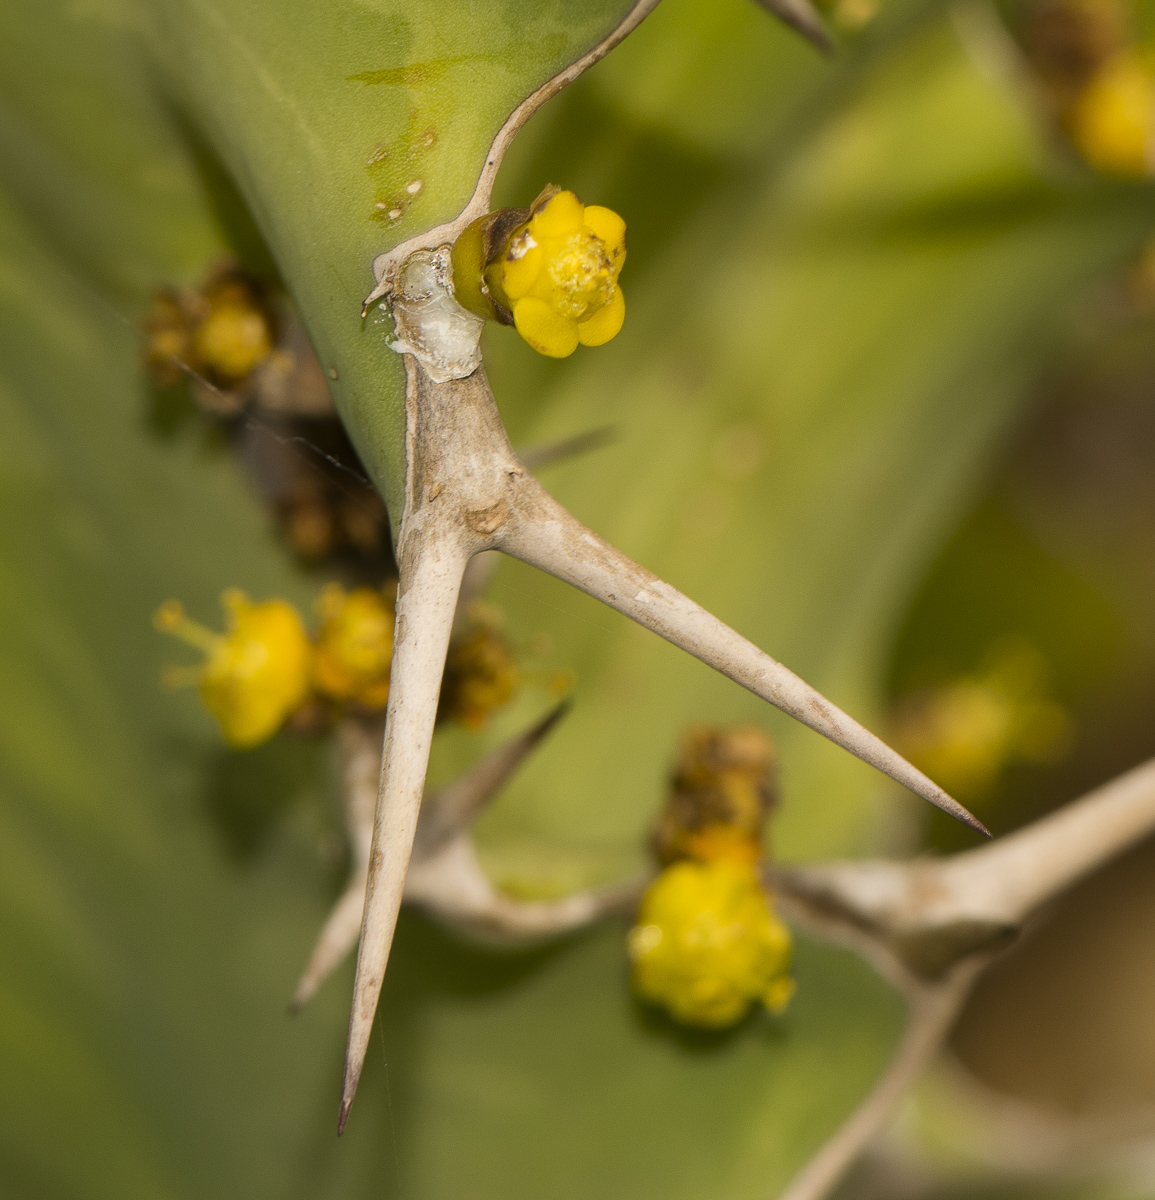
x,y
444,876
933,925
468,493
933,912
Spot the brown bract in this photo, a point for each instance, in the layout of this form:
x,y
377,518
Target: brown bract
x,y
721,786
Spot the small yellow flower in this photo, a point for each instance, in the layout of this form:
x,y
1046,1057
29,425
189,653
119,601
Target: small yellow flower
x,y
254,676
355,646
235,335
223,330
554,276
1113,121
707,945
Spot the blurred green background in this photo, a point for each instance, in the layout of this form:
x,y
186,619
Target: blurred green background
x,y
882,402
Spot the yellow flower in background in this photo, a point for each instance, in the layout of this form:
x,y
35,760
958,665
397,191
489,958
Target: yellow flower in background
x,y
223,330
707,945
965,733
554,276
256,674
235,335
1113,120
355,646
232,342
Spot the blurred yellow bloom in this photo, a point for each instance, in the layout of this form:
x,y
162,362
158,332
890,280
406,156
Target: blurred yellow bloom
x,y
553,275
223,331
1113,121
965,733
707,945
355,646
254,676
234,338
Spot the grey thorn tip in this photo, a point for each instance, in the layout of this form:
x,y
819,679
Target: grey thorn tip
x,y
953,808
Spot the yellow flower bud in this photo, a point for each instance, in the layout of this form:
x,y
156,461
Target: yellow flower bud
x,y
355,646
235,335
554,275
223,330
254,676
707,945
1113,121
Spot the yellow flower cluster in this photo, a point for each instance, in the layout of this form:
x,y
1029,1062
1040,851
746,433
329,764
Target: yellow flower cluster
x,y
265,667
1112,122
707,946
553,276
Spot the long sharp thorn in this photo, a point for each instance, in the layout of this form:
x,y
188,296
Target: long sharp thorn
x,y
431,573
558,543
